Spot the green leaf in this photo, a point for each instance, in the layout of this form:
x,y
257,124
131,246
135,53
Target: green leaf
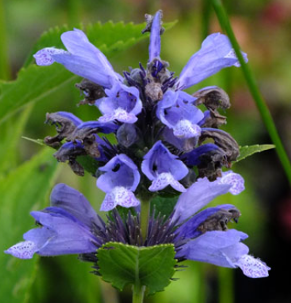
x,y
89,164
246,151
35,83
121,265
11,131
163,205
23,190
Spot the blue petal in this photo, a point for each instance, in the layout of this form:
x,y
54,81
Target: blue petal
x,y
222,248
122,104
83,59
155,38
72,201
197,196
216,53
119,171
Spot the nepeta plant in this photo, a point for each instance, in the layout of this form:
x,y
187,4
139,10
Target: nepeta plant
x,y
162,150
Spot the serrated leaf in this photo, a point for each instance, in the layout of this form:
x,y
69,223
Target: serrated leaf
x,y
121,265
163,205
23,190
246,151
35,82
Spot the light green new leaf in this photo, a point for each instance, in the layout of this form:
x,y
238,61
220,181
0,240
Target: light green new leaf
x,y
246,151
121,265
23,190
35,82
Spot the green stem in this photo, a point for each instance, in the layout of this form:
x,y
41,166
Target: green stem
x,y
138,294
4,61
144,217
261,105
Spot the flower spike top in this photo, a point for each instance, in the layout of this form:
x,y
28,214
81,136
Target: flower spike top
x,y
161,150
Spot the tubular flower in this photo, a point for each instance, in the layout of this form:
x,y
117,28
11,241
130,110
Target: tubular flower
x,y
161,149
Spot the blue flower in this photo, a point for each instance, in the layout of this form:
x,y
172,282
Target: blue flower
x,y
122,104
205,236
66,227
163,168
119,181
82,59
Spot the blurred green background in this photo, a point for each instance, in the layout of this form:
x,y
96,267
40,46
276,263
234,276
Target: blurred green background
x,y
263,30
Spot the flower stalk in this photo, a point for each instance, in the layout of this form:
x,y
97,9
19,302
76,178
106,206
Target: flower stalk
x,y
138,293
260,103
144,218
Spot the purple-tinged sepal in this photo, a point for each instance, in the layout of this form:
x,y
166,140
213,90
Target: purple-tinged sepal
x,y
216,53
65,123
209,219
120,179
163,168
122,104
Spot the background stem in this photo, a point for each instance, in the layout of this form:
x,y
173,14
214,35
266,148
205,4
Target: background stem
x,y
4,60
261,104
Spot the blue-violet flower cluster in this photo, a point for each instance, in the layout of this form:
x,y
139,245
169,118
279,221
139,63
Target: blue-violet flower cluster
x,y
162,149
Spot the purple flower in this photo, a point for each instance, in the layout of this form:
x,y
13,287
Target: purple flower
x,y
176,110
82,59
122,104
205,236
119,181
65,227
163,168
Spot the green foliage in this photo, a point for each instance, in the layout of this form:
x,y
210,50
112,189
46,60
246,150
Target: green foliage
x,y
35,82
122,265
163,205
11,131
246,151
89,164
23,190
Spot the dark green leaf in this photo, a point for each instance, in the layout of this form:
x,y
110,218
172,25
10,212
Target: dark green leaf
x,y
163,205
122,265
246,151
23,190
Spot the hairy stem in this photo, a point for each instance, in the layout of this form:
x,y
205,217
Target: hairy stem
x,y
261,105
